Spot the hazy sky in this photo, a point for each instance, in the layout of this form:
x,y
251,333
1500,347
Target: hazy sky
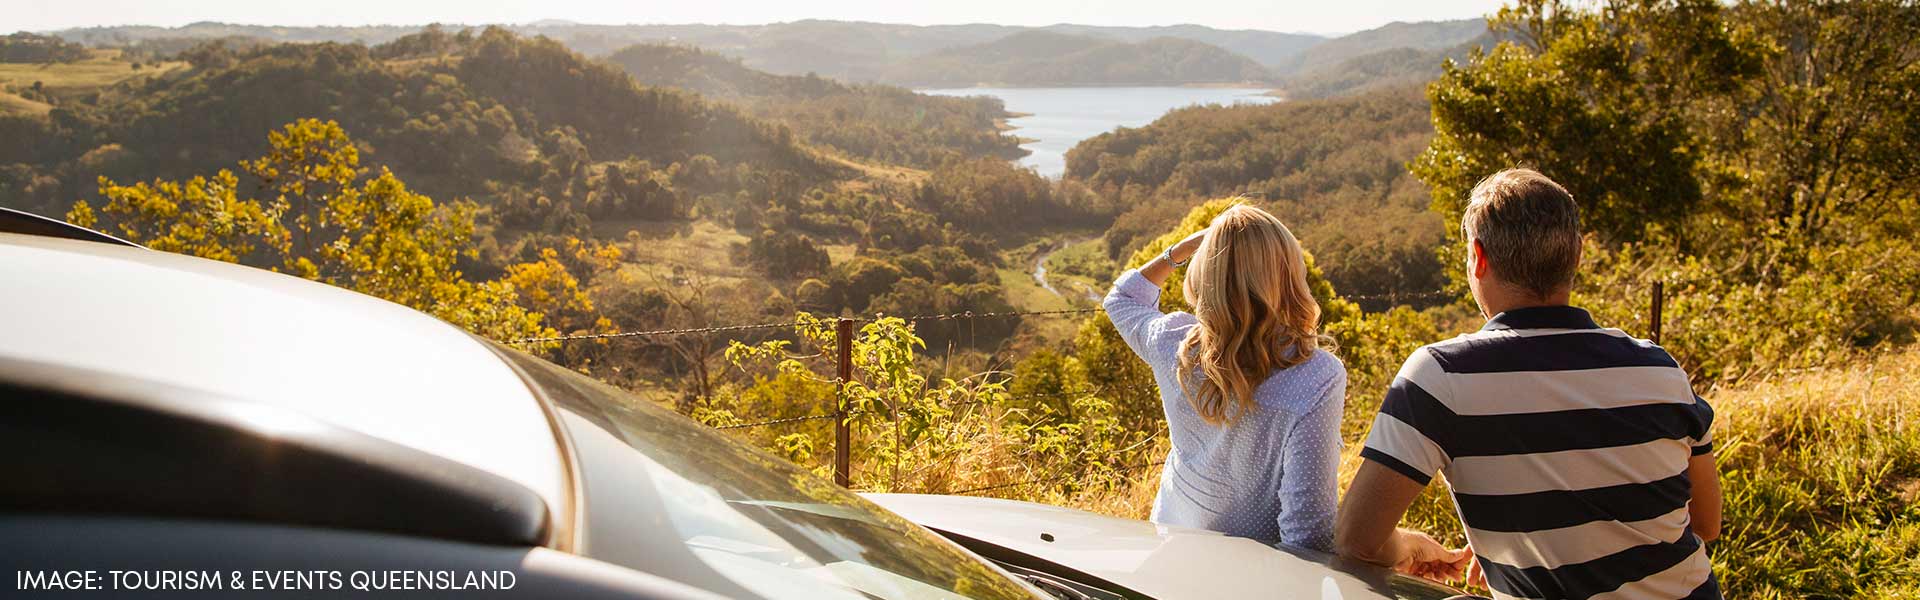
x,y
1315,16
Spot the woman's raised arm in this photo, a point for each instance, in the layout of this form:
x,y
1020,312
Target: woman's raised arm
x,y
1134,302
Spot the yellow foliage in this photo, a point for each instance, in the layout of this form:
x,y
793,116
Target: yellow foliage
x,y
322,223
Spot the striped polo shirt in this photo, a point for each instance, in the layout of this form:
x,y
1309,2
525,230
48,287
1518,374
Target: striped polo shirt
x,y
1566,447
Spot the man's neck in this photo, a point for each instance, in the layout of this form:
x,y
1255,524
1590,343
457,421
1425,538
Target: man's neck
x,y
1495,302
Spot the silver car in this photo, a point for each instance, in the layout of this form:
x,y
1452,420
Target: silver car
x,y
164,416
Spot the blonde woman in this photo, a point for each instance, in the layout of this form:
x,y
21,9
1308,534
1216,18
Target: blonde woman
x,y
1253,399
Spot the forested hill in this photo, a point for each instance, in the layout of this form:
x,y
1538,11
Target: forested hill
x,y
487,115
1040,58
868,121
1334,170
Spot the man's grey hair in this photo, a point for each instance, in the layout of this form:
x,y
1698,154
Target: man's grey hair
x,y
1528,228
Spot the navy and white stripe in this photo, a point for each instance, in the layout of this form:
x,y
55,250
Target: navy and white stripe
x,y
1566,447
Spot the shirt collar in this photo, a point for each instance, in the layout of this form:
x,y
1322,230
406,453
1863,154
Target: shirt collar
x,y
1542,317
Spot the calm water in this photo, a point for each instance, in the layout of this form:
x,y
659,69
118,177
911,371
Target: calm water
x,y
1061,117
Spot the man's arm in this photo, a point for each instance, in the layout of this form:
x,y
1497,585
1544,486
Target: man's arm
x,y
1703,511
1367,527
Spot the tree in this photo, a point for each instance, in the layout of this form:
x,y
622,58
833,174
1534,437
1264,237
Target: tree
x,y
1598,101
1777,117
1757,157
325,221
784,254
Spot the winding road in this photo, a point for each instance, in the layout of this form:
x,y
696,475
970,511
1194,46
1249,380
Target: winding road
x,y
1040,273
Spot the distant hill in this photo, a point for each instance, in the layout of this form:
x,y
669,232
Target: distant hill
x,y
1425,36
1264,47
1042,58
945,55
877,122
846,50
486,116
1377,70
124,34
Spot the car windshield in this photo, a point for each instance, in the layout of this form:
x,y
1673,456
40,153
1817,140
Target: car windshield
x,y
669,496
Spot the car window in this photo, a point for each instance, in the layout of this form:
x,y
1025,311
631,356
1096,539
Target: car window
x,y
669,496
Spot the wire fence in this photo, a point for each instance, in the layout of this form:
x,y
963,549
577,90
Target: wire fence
x,y
756,424
958,316
1058,478
843,342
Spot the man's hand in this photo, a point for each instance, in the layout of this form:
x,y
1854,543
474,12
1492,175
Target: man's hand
x,y
1476,576
1422,556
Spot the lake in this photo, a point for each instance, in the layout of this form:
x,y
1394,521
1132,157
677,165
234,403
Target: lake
x,y
1058,118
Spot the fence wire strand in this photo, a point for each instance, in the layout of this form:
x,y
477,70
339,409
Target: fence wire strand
x,y
993,315
622,334
963,315
776,421
1001,486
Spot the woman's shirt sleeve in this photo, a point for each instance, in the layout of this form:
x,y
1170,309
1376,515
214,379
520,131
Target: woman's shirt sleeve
x,y
1134,306
1310,459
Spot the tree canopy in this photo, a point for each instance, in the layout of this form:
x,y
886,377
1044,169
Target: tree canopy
x,y
324,218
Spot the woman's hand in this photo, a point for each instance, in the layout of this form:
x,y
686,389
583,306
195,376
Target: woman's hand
x,y
1158,270
1184,249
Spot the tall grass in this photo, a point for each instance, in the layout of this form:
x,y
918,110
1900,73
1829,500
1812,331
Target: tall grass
x,y
1821,471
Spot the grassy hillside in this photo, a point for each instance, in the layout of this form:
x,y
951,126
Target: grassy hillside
x,y
33,88
874,123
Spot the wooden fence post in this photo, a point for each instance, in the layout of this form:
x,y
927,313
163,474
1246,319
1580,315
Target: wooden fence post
x,y
842,433
1658,299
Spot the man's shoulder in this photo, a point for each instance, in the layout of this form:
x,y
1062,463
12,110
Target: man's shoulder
x,y
1540,350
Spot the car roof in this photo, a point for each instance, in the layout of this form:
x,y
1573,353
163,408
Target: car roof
x,y
341,357
1160,561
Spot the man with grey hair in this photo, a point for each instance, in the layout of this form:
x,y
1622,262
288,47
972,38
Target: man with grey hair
x,y
1579,459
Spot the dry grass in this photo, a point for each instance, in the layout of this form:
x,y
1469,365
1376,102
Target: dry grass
x,y
703,246
1819,470
103,68
12,104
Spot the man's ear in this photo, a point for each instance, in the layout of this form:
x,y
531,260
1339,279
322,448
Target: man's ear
x,y
1477,259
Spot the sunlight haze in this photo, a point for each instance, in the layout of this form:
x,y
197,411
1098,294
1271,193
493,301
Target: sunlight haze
x,y
1289,16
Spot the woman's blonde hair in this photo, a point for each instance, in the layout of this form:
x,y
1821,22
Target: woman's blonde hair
x,y
1248,287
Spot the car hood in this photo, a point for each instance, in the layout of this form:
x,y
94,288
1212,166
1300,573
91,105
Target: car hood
x,y
1161,561
337,356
